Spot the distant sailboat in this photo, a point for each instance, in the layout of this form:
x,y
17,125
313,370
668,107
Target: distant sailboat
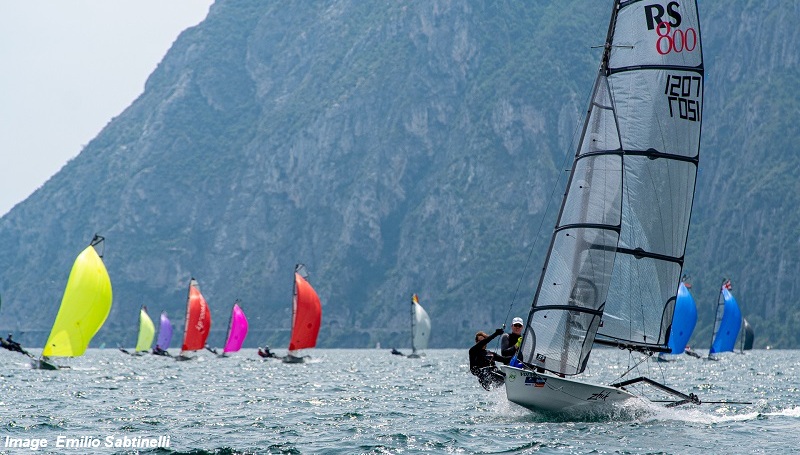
x,y
237,330
84,308
747,336
198,322
727,323
147,331
306,316
420,328
683,322
164,335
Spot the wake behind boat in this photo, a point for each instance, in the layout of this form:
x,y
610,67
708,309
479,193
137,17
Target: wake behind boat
x,y
84,308
616,255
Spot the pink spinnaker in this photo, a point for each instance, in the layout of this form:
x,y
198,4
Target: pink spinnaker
x,y
237,330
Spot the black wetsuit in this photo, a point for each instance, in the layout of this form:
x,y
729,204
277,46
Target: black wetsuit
x,y
481,363
12,345
508,344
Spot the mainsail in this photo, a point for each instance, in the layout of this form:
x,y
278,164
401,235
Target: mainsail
x,y
683,321
616,255
420,326
306,313
147,331
198,319
164,332
237,330
727,322
84,306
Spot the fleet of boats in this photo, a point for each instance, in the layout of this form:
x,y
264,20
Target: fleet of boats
x,y
613,271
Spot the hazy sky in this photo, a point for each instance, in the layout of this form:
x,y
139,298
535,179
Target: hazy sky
x,y
67,67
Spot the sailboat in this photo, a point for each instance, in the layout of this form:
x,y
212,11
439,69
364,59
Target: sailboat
x,y
747,336
147,331
237,330
420,328
727,323
164,335
198,322
306,316
615,259
84,308
684,320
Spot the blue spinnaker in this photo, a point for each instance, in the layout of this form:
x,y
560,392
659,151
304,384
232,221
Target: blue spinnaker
x,y
729,325
683,321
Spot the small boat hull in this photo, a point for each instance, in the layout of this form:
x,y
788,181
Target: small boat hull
x,y
293,359
42,364
551,393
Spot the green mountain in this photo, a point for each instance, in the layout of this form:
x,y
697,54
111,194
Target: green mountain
x,y
393,148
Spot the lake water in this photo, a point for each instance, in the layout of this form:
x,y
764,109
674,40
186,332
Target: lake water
x,y
369,401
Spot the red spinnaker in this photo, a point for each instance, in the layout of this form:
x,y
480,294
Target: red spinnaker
x,y
198,320
306,315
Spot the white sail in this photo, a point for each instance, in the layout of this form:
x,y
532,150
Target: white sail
x,y
420,326
615,259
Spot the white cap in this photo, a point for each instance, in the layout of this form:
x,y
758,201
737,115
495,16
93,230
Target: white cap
x,y
517,321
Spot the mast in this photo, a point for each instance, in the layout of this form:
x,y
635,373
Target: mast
x,y
230,325
718,313
188,311
413,323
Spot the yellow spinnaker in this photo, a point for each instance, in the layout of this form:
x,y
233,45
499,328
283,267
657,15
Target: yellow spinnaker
x,y
84,307
147,331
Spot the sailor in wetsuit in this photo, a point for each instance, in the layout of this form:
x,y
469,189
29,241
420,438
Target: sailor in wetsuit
x,y
481,361
12,345
266,353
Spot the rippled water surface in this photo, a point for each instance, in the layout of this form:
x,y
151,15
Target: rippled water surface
x,y
369,401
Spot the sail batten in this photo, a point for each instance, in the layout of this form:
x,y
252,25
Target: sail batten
x,y
615,260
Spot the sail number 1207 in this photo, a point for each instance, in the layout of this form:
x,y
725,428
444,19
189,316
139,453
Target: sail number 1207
x,y
683,96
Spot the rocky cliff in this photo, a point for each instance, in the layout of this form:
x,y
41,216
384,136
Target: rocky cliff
x,y
393,148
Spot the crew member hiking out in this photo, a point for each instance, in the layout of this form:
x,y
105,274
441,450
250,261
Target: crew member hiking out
x,y
482,361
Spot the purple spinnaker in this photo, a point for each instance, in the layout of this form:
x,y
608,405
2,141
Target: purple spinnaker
x,y
164,332
237,331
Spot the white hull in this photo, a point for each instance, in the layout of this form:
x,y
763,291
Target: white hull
x,y
294,359
550,393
